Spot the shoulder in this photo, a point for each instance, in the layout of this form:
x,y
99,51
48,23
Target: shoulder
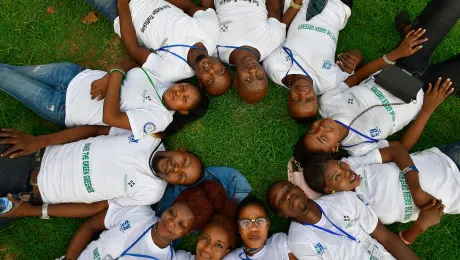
x,y
183,255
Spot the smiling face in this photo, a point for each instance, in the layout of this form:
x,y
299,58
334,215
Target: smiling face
x,y
251,81
338,176
254,236
181,97
177,167
303,102
213,243
175,222
323,136
212,75
287,199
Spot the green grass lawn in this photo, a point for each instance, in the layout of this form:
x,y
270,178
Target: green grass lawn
x,y
255,139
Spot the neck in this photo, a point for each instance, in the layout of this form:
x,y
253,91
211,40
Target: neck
x,y
159,241
238,56
311,216
193,53
343,131
253,251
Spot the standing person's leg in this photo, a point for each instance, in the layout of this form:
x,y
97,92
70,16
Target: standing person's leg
x,y
447,69
438,17
107,7
46,101
57,75
453,151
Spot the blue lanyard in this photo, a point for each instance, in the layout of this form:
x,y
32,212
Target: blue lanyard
x,y
171,251
165,48
236,48
370,140
291,56
330,231
245,253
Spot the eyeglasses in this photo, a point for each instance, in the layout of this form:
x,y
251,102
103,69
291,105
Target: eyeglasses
x,y
247,223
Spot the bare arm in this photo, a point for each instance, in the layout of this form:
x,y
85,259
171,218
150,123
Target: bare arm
x,y
434,96
188,6
207,3
274,9
428,217
392,243
84,235
112,115
290,14
23,144
408,46
128,34
291,256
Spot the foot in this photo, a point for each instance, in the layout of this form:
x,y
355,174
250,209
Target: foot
x,y
403,24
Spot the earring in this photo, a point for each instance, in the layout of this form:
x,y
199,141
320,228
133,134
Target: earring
x,y
337,149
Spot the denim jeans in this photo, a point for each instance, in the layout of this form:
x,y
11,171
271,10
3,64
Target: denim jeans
x,y
438,17
107,7
453,151
41,88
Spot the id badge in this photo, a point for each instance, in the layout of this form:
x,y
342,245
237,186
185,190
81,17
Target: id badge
x,y
376,252
108,257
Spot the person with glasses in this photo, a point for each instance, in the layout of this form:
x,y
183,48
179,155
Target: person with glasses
x,y
253,226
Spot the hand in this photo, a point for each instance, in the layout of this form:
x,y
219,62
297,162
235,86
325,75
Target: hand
x,y
410,44
99,87
430,214
22,144
421,198
434,96
347,62
20,208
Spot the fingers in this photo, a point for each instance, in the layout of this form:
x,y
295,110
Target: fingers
x,y
418,33
415,49
19,154
436,84
445,86
10,130
5,134
409,34
429,89
10,150
101,96
429,205
13,199
417,42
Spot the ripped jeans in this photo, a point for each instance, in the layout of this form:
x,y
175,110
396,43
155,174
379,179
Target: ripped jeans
x,y
41,88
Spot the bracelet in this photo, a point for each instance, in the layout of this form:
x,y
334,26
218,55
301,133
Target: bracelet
x,y
294,5
409,169
45,212
385,58
402,238
118,70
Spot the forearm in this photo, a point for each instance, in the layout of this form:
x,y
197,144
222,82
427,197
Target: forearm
x,y
70,210
289,16
397,248
128,33
412,233
413,133
370,68
72,134
112,114
127,64
274,9
187,6
207,3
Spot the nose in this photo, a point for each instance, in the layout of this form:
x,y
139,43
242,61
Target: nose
x,y
207,248
303,91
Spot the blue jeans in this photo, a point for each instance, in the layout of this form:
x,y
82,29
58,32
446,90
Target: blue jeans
x,y
107,7
453,151
41,88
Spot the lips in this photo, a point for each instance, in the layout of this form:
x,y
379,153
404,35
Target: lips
x,y
254,237
205,255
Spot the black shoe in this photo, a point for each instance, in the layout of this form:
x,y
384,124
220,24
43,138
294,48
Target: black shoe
x,y
402,20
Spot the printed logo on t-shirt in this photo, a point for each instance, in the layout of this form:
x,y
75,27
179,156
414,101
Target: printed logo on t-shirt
x,y
149,127
131,139
86,168
350,101
349,222
385,102
125,226
152,15
318,29
320,249
374,132
327,65
223,2
145,96
224,25
96,255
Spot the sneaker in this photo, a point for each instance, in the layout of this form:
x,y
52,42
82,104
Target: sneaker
x,y
5,205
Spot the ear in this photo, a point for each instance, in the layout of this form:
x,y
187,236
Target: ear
x,y
335,148
181,149
183,112
328,191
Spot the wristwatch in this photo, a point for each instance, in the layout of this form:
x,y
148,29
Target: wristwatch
x,y
45,212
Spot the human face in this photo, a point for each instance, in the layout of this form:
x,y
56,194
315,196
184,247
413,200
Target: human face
x,y
181,97
303,101
253,237
339,176
213,243
177,167
288,199
251,81
323,136
175,222
212,75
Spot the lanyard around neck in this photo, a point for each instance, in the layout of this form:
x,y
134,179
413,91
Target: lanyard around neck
x,y
251,250
171,251
344,233
166,47
293,60
237,48
370,140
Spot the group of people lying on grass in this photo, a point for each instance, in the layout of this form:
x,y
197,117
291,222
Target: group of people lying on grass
x,y
110,164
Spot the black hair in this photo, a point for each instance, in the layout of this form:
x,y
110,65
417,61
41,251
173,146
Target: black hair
x,y
266,196
301,153
252,200
180,120
315,171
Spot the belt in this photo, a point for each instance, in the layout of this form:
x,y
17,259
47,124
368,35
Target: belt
x,y
34,177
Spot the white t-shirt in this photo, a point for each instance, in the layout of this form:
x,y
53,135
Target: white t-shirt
x,y
245,23
159,23
138,98
101,168
345,104
125,225
387,192
276,248
352,215
183,255
313,45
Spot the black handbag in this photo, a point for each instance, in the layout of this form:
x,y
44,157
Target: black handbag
x,y
399,83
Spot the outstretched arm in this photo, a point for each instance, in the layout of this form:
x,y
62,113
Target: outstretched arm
x,y
112,114
434,96
128,34
290,13
23,144
188,6
392,243
408,46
